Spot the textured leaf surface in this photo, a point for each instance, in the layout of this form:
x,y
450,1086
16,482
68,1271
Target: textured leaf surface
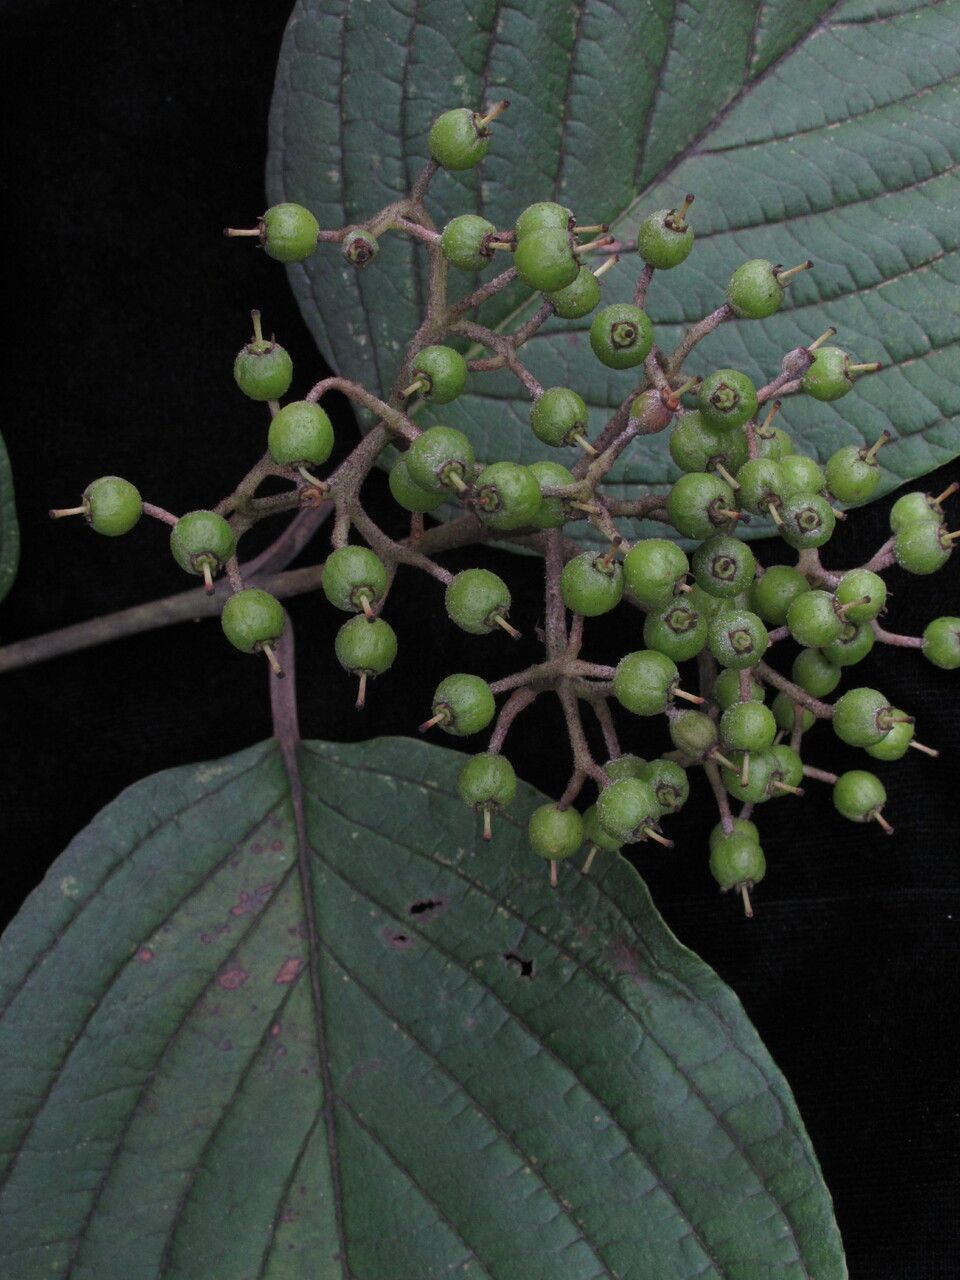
x,y
392,1055
9,529
807,130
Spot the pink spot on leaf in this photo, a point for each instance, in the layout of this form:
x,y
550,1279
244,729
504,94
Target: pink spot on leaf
x,y
288,971
232,978
144,955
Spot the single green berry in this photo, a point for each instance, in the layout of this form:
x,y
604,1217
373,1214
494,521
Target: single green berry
x,y
788,774
354,579
861,595
664,238
559,417
202,542
800,474
591,584
812,619
627,766
741,827
596,837
773,442
545,260
851,646
552,512
727,399
439,374
366,648
941,643
407,493
862,717
462,704
785,712
693,733
914,508
748,726
754,292
772,594
626,808
621,335
477,601
736,637
723,566
860,796
459,139
852,477
670,784
555,833
441,459
359,247
288,232
699,504
464,242
697,446
923,548
761,485
506,495
262,370
644,682
805,520
737,862
653,568
110,505
726,689
898,741
488,784
751,780
679,631
252,620
578,298
544,215
815,673
301,434
831,374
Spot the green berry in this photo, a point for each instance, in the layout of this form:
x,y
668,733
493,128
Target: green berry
x,y
301,434
748,726
851,476
644,682
252,619
754,292
664,238
737,638
544,215
627,766
652,569
812,619
595,835
552,512
914,508
578,298
697,446
507,495
860,796
408,493
699,504
462,704
202,539
559,417
464,242
262,370
111,506
693,733
621,335
772,594
679,631
726,689
806,520
545,260
366,647
922,548
440,459
458,139
488,784
761,485
897,742
862,595
555,833
288,232
741,827
815,673
359,247
354,579
727,399
591,584
800,474
789,768
862,717
785,712
723,566
477,601
761,772
941,643
625,808
830,374
737,862
773,442
441,373
851,646
670,784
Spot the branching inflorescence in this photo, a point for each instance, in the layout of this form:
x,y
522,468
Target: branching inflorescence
x,y
736,463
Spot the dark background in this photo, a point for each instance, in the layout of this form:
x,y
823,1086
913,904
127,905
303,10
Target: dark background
x,y
134,133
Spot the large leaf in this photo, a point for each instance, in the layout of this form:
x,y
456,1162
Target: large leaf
x,y
9,529
813,129
394,1054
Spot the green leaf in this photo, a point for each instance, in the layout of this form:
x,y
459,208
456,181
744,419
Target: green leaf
x,y
392,1054
9,529
815,130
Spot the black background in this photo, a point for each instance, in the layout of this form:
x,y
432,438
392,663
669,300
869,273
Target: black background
x,y
134,132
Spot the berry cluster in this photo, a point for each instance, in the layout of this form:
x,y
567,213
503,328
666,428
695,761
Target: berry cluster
x,y
716,605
